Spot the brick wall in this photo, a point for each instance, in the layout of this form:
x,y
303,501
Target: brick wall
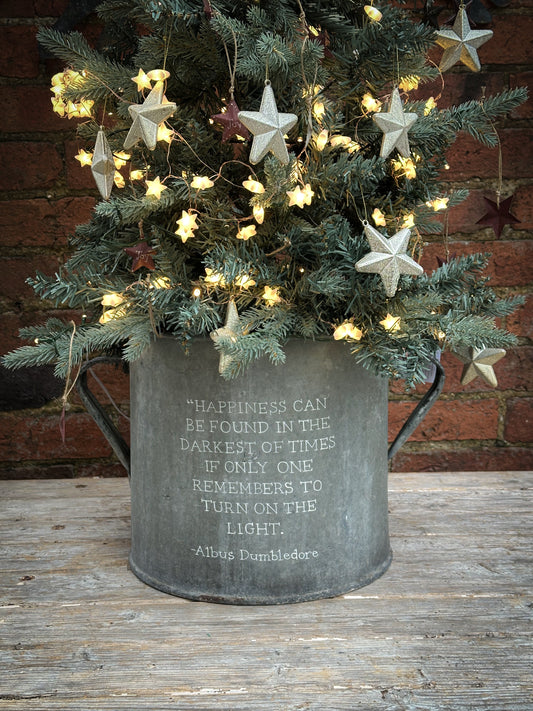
x,y
45,193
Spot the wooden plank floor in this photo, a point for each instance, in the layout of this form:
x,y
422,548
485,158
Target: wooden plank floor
x,y
448,627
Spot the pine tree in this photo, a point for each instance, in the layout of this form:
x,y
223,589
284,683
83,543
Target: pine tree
x,y
196,225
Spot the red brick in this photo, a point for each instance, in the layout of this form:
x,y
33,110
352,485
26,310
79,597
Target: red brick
x,y
522,207
509,264
522,79
16,271
32,8
37,437
512,42
12,322
42,222
470,159
79,177
18,52
30,165
519,420
464,460
28,108
521,321
459,88
115,381
463,217
449,420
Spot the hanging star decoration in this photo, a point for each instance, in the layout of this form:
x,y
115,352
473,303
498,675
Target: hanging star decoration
x,y
498,215
460,43
103,165
268,128
232,329
388,257
147,117
142,256
395,125
479,362
231,125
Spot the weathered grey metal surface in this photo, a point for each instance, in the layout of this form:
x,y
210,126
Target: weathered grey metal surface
x,y
270,488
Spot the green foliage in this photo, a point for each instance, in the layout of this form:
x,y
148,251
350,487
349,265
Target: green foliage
x,y
306,255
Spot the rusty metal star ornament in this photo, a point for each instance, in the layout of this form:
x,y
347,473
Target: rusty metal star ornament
x,y
147,117
232,127
479,362
103,165
232,329
395,125
460,43
268,128
388,257
498,215
142,256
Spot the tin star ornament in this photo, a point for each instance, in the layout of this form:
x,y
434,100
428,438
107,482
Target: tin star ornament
x,y
231,125
479,362
147,117
388,257
232,329
268,128
103,165
498,215
395,125
460,43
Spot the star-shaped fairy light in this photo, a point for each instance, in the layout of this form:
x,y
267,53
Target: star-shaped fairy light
x,y
186,225
388,258
142,80
479,362
232,127
300,197
232,329
103,165
498,215
460,43
84,157
154,188
142,256
147,117
268,128
395,125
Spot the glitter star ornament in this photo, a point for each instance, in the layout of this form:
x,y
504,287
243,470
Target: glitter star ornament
x,y
498,215
460,43
232,127
147,117
479,362
388,257
142,256
103,165
268,128
232,329
395,125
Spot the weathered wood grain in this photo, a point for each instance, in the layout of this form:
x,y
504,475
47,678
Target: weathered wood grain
x,y
447,628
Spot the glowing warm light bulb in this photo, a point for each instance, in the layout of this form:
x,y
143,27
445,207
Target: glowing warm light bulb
x,y
201,182
155,188
321,140
408,221
271,295
409,83
158,74
136,174
196,292
120,159
438,203
84,157
244,281
254,186
160,282
187,225
300,197
319,110
404,167
430,105
246,232
58,105
112,299
164,133
142,80
370,104
391,323
379,218
347,330
373,13
118,179
343,141
259,214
